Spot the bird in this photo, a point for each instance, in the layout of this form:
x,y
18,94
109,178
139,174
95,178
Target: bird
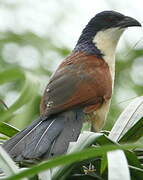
x,y
80,89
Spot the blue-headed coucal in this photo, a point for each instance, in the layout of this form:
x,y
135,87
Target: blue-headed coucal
x,y
81,86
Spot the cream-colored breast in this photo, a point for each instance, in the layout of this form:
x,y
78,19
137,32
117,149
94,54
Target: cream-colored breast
x,y
106,41
99,116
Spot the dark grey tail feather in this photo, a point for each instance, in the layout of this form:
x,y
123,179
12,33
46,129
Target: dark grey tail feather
x,y
70,132
8,145
47,138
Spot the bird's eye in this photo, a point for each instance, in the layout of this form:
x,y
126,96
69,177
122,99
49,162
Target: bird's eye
x,y
108,19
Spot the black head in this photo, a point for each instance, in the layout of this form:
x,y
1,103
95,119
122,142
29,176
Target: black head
x,y
105,20
111,19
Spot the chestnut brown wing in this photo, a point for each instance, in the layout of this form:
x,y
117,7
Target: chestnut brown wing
x,y
81,81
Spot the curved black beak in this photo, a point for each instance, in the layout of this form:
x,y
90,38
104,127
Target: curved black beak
x,y
129,22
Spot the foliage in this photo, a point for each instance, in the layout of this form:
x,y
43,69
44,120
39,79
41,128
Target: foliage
x,y
98,160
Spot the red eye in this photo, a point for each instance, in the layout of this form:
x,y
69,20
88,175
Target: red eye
x,y
108,19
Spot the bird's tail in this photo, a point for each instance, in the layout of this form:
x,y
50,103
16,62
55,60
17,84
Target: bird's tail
x,y
45,138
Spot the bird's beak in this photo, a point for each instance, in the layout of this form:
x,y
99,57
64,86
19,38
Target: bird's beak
x,y
129,22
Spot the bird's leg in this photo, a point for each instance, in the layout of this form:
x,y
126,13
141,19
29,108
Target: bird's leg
x,y
92,128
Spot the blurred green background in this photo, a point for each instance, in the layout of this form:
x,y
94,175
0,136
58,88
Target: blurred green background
x,y
35,36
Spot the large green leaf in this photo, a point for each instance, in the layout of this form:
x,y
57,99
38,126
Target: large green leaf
x,y
46,175
134,162
129,117
28,93
7,165
104,140
132,159
128,127
136,173
117,166
134,133
10,75
104,163
8,129
72,158
85,140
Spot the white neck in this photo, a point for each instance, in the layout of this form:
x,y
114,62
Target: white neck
x,y
106,41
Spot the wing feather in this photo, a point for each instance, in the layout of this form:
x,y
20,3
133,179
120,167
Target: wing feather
x,y
83,81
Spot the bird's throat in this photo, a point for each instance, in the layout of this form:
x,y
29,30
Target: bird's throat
x,y
106,41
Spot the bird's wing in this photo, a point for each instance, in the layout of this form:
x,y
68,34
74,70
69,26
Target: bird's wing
x,y
80,81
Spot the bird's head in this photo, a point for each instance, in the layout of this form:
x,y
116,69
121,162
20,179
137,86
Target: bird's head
x,y
111,19
105,29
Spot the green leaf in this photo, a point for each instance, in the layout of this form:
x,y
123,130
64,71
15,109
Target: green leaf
x,y
8,129
134,164
129,117
134,133
117,166
128,124
136,173
28,93
103,140
72,158
104,163
11,75
45,175
7,164
85,140
132,159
